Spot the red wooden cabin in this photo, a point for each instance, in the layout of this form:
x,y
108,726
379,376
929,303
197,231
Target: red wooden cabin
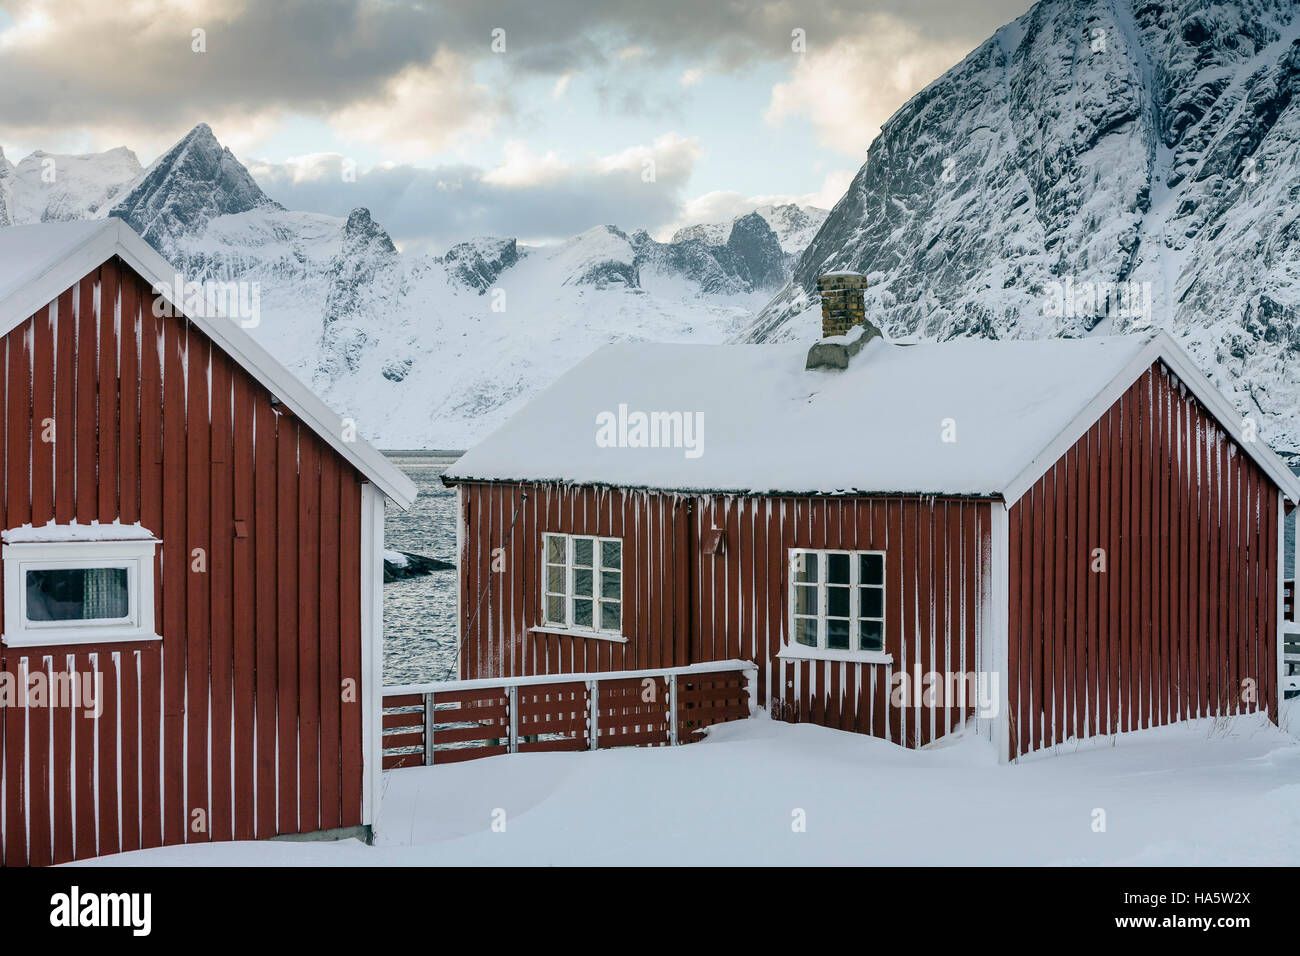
x,y
192,568
1081,528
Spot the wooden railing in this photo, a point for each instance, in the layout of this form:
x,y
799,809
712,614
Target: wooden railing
x,y
449,721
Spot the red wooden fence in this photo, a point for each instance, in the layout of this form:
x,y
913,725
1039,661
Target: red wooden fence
x,y
451,721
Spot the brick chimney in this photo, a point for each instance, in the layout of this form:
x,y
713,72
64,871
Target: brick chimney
x,y
843,310
842,305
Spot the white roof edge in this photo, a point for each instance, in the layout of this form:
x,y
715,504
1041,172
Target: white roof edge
x,y
1161,347
118,238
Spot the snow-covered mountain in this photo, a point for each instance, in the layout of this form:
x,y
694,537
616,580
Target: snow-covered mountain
x,y
422,350
1153,145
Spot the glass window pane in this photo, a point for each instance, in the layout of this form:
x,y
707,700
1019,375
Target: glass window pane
x,y
554,549
872,636
805,631
554,579
837,635
611,554
555,610
837,568
581,613
77,594
837,601
805,566
582,582
805,599
611,584
871,568
611,615
871,602
583,552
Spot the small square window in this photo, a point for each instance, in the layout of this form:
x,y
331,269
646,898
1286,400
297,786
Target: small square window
x,y
67,584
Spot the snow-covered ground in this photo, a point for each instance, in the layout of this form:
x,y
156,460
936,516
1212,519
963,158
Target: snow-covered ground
x,y
1201,793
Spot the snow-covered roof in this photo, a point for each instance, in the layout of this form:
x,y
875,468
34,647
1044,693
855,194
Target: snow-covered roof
x,y
769,425
38,262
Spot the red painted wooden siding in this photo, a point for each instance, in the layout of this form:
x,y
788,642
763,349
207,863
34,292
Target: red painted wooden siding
x,y
238,711
1186,610
681,606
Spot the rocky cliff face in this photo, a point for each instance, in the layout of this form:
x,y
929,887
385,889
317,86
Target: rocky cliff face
x,y
191,184
1095,166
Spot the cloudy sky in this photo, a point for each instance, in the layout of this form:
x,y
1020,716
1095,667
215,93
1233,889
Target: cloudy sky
x,y
530,118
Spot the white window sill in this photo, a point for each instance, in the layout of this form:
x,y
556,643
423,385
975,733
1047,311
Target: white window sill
x,y
798,652
63,639
578,632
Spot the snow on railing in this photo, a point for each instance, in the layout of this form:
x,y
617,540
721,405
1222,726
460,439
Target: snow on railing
x,y
449,721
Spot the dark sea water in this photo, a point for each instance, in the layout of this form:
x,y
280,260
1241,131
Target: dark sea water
x,y
420,613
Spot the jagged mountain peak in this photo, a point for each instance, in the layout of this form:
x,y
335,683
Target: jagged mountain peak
x,y
192,183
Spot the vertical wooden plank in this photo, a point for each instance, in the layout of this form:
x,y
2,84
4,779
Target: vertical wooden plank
x,y
287,687
61,738
174,583
43,423
221,573
129,697
198,634
309,763
330,690
128,412
84,727
18,438
38,771
151,516
87,387
15,727
265,531
350,624
108,765
106,477
65,419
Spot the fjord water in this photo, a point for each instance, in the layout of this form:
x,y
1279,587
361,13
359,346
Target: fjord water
x,y
420,612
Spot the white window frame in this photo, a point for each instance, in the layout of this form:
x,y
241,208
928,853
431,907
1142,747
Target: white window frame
x,y
792,649
597,580
135,555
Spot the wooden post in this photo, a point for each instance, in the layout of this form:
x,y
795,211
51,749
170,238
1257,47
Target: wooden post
x,y
672,709
512,696
428,730
593,714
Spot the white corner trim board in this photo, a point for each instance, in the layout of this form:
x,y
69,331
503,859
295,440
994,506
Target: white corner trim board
x,y
89,245
372,649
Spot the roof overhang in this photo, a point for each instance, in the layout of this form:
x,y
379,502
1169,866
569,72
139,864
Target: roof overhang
x,y
116,238
1161,348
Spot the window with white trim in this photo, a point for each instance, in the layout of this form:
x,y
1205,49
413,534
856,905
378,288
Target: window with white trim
x,y
837,599
70,590
582,582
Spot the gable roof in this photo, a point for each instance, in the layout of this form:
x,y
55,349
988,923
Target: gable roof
x,y
771,426
39,262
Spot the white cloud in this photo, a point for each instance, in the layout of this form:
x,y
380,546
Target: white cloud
x,y
849,88
422,111
691,77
